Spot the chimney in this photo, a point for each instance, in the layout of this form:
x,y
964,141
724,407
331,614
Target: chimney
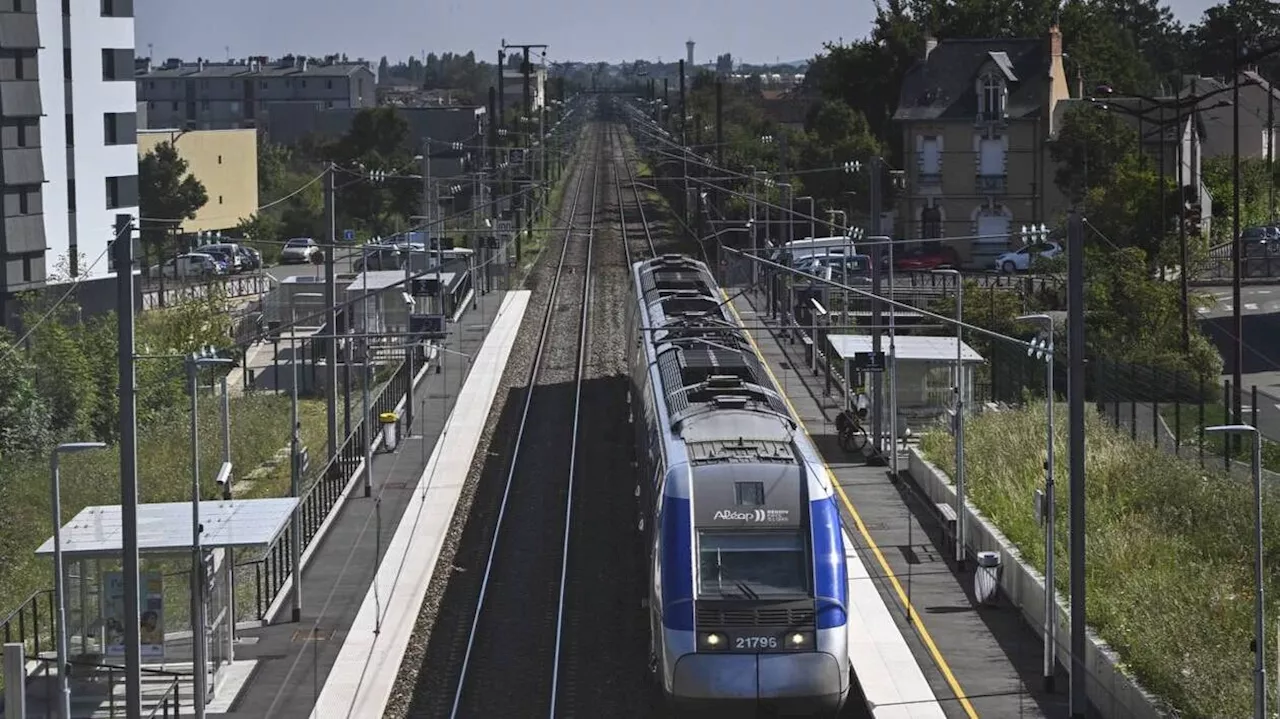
x,y
1055,41
304,64
930,44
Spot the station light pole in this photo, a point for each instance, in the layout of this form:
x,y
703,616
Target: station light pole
x,y
60,627
959,409
1259,571
1048,505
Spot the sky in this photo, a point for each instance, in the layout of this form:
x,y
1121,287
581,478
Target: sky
x,y
590,30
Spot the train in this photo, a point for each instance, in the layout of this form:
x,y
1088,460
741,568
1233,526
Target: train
x,y
746,582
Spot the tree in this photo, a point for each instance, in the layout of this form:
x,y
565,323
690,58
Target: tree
x,y
1255,193
1126,211
1092,141
167,194
378,140
835,134
24,414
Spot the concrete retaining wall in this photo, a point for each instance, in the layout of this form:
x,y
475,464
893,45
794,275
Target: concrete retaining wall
x,y
1113,693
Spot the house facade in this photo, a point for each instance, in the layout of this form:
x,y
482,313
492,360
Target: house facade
x,y
976,116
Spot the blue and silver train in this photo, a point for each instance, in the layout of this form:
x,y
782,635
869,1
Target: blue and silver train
x,y
747,578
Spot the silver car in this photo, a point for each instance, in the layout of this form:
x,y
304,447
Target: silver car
x,y
298,250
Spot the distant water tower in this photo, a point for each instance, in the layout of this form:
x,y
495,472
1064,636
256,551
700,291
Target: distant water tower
x,y
689,47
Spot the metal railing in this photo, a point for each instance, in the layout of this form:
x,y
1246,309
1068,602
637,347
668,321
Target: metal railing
x,y
167,704
274,567
31,624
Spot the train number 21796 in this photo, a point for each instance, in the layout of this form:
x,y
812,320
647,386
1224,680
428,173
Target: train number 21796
x,y
755,643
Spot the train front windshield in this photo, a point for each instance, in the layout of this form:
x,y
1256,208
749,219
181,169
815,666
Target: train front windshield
x,y
751,565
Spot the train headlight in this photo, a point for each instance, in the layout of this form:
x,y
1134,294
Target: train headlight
x,y
712,641
799,640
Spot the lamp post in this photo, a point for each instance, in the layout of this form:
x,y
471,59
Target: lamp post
x,y
1044,349
64,687
194,362
1259,638
813,220
959,409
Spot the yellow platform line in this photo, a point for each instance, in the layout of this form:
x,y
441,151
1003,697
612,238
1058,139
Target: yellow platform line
x,y
921,631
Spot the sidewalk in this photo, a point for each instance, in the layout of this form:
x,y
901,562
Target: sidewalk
x,y
980,661
294,658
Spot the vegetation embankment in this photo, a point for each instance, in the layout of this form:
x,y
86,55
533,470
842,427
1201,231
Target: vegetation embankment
x,y
60,385
1169,550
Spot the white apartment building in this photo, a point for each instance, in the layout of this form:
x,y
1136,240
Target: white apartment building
x,y
88,134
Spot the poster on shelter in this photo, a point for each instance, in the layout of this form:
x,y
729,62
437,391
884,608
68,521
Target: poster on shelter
x,y
151,621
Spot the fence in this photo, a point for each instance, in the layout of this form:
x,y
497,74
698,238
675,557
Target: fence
x,y
156,294
274,568
1170,410
1260,261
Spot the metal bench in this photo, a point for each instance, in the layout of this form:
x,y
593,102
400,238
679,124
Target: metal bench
x,y
948,516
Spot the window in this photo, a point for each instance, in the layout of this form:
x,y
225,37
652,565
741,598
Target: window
x,y
992,97
174,106
930,157
27,274
117,8
122,191
757,563
117,64
71,130
991,157
219,159
931,223
219,199
71,195
120,128
328,84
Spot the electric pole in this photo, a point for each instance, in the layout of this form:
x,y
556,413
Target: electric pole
x,y
331,312
128,398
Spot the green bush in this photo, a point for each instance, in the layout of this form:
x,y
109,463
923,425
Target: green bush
x,y
1169,550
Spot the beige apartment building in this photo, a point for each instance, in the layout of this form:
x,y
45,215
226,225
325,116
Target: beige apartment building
x,y
226,161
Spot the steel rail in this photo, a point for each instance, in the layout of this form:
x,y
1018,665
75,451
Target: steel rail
x,y
573,447
622,209
535,370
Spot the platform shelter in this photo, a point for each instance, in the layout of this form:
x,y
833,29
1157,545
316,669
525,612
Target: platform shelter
x,y
92,543
925,370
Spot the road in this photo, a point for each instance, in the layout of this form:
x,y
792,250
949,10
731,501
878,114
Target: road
x,y
1260,316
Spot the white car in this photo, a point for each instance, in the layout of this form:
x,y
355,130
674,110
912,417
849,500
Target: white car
x,y
192,264
1020,260
299,249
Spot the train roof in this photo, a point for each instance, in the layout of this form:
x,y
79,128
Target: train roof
x,y
705,359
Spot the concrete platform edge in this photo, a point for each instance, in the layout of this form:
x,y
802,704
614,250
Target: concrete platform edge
x,y
368,663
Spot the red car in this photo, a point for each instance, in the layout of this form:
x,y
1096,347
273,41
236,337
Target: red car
x,y
924,260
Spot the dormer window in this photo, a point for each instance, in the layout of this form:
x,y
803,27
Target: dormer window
x,y
991,96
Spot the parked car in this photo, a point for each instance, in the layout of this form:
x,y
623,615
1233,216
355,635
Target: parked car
x,y
922,259
229,261
379,257
845,269
252,258
1020,260
191,264
298,250
230,250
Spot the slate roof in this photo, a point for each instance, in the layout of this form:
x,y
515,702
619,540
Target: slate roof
x,y
944,87
212,70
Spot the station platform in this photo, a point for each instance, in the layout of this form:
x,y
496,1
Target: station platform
x,y
294,660
943,655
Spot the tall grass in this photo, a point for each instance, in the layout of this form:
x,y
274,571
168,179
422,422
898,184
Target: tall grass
x,y
259,428
1169,553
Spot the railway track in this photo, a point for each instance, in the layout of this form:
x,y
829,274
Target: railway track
x,y
510,663
643,239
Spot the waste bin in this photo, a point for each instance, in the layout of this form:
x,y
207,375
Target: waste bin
x,y
987,579
388,420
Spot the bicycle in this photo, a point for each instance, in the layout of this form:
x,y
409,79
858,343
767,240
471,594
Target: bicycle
x,y
849,430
